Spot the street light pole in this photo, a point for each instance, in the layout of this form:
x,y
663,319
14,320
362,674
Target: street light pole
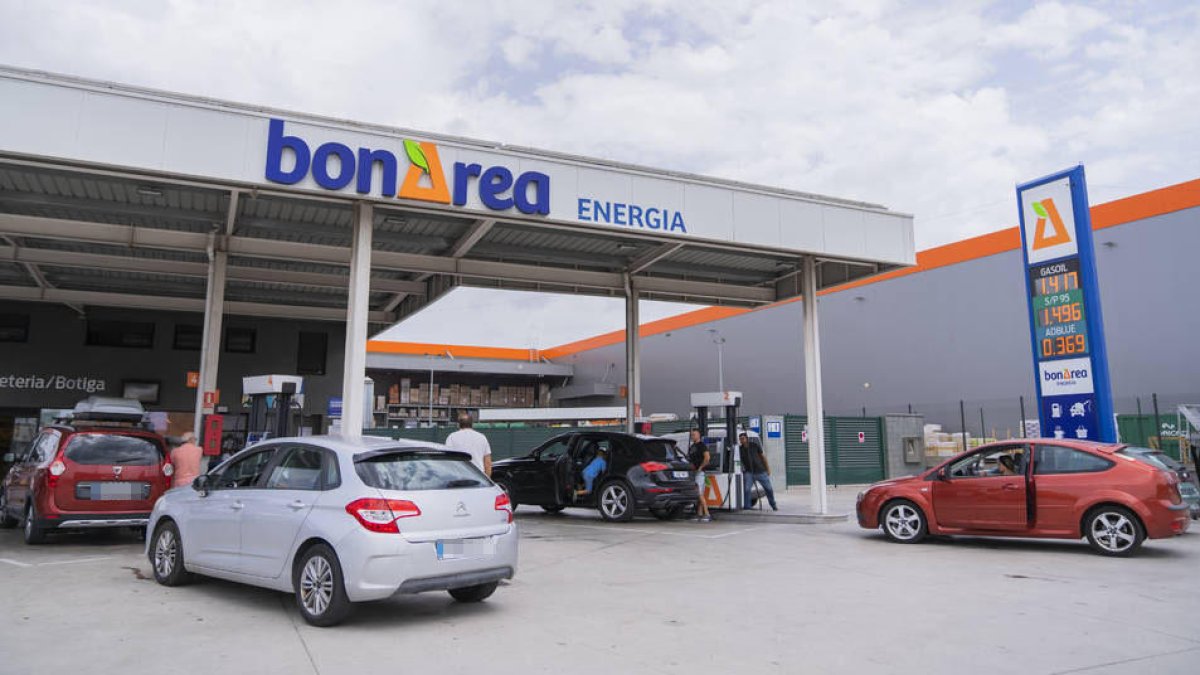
x,y
430,357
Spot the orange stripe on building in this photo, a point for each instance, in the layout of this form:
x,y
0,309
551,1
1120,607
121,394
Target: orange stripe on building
x,y
687,319
459,351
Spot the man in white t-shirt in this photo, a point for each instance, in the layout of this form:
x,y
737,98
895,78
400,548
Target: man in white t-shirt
x,y
467,439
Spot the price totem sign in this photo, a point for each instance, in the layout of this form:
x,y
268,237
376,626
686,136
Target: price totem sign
x,y
1066,327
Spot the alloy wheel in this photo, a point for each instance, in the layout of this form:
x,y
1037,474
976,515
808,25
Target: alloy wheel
x,y
1114,532
316,585
903,522
614,501
166,551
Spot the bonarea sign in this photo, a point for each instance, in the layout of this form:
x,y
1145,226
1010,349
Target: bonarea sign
x,y
1066,327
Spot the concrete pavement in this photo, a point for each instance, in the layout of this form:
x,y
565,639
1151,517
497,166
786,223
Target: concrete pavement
x,y
643,597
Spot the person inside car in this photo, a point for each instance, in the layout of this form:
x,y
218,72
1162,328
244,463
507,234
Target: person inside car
x,y
1006,466
592,471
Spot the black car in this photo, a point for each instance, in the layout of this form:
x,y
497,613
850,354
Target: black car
x,y
643,473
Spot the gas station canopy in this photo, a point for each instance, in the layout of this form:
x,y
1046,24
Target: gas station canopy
x,y
107,191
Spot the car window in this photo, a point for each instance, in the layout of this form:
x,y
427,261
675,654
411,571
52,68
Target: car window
x,y
244,472
300,469
409,471
1155,458
663,451
44,449
1053,459
554,449
1004,460
112,449
588,446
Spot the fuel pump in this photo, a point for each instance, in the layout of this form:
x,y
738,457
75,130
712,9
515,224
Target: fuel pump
x,y
725,466
276,402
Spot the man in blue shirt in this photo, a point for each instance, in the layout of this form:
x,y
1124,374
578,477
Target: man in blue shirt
x,y
593,470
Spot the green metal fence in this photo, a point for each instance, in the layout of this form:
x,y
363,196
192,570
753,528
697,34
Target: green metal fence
x,y
847,459
1139,430
505,441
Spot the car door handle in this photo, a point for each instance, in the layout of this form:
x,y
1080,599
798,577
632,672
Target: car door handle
x,y
297,505
237,506
1010,486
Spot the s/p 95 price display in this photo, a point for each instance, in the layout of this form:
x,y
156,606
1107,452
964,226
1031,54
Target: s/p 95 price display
x,y
1058,308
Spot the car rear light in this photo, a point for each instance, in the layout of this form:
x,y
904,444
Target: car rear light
x,y
651,467
503,503
168,469
658,491
380,515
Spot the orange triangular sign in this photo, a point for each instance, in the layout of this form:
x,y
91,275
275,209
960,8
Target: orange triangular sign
x,y
1046,209
712,492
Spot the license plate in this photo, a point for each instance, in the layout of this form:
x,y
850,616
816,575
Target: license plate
x,y
680,474
455,549
115,491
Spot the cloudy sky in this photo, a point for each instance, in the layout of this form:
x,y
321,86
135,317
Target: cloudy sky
x,y
935,109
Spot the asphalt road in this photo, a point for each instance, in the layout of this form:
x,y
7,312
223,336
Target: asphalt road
x,y
644,597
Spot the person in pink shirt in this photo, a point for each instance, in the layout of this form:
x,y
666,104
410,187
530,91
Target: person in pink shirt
x,y
186,459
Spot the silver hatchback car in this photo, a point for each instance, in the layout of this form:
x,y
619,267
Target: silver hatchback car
x,y
337,522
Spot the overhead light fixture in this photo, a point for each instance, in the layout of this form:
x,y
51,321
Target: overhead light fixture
x,y
149,191
627,247
395,220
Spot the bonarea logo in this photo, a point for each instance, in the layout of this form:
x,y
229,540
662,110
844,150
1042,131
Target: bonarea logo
x,y
335,166
1065,375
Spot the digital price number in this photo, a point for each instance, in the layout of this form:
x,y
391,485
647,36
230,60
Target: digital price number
x,y
1059,310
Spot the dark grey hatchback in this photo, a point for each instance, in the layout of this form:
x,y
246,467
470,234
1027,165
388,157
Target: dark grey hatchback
x,y
641,473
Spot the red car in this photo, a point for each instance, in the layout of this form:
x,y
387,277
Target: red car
x,y
100,470
1050,488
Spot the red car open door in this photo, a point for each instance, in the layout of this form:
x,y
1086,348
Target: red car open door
x,y
985,490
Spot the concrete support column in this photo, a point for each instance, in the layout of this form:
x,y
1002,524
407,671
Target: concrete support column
x,y
812,389
633,358
358,305
210,346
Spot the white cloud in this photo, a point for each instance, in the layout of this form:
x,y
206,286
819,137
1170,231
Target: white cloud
x,y
932,109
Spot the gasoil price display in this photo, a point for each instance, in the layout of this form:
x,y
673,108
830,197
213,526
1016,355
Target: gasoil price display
x,y
1058,307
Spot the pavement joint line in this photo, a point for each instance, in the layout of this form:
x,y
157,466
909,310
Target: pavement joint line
x,y
290,612
1135,659
77,560
662,532
15,563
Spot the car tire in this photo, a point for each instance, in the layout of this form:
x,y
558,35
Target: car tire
x,y
166,556
1113,531
477,593
557,508
319,587
6,521
903,522
34,533
616,502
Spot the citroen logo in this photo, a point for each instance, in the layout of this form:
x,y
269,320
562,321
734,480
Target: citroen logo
x,y
117,471
461,510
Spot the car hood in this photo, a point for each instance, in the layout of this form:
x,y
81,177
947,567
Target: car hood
x,y
894,481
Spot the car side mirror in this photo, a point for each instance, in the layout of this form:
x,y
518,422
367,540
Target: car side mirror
x,y
202,484
10,457
943,475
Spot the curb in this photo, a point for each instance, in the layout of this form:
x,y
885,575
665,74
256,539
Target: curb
x,y
781,518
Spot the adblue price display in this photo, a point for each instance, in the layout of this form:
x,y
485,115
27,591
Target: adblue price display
x,y
1058,307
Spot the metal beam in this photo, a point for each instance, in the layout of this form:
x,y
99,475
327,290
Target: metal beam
x,y
652,256
354,370
171,303
812,390
471,237
126,235
35,272
53,258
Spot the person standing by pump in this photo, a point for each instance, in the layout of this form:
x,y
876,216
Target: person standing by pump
x,y
186,459
698,457
754,469
470,441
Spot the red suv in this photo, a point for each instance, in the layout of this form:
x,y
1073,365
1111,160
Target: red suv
x,y
103,468
1109,493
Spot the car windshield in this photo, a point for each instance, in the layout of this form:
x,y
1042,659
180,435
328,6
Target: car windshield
x,y
433,470
114,449
664,451
1155,458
